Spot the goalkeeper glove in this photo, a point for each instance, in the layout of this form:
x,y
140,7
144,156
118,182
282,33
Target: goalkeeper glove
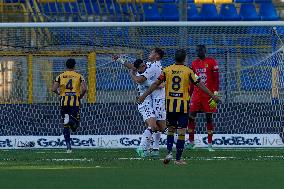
x,y
213,103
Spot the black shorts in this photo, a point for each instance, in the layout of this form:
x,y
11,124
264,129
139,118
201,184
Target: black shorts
x,y
72,111
177,119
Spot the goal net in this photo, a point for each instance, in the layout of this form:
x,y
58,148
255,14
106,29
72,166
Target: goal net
x,y
250,57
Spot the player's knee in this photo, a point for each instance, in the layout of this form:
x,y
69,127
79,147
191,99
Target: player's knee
x,y
190,130
71,122
171,130
210,132
209,118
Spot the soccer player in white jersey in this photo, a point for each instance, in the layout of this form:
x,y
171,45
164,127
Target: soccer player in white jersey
x,y
153,71
145,109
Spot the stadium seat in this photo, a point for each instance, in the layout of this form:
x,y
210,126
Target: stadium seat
x,y
151,12
248,12
243,1
209,12
91,7
165,1
228,12
267,12
223,1
192,13
203,1
263,1
170,12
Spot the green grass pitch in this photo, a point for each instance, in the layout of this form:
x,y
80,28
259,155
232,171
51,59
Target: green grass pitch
x,y
120,168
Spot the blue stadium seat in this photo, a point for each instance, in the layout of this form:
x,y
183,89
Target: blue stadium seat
x,y
192,13
115,11
267,12
248,12
209,12
170,12
228,12
151,12
91,7
165,1
263,1
243,1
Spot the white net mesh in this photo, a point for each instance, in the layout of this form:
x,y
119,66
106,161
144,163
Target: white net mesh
x,y
250,60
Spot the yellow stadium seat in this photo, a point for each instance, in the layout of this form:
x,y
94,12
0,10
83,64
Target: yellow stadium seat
x,y
203,1
223,1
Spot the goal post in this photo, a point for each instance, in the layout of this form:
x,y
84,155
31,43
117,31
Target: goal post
x,y
249,54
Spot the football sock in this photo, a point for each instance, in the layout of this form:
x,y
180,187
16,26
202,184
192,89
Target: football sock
x,y
156,140
180,146
146,138
170,141
191,127
210,132
66,133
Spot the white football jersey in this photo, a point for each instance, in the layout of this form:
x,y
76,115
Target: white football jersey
x,y
142,88
152,73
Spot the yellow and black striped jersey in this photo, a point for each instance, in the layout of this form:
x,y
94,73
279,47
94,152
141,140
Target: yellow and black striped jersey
x,y
70,88
178,79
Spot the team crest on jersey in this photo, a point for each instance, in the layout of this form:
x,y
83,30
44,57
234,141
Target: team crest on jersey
x,y
206,65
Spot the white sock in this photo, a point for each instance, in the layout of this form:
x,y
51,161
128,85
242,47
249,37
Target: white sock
x,y
146,139
156,140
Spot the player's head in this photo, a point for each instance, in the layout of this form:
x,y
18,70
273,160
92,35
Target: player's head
x,y
140,65
201,51
70,63
156,54
180,56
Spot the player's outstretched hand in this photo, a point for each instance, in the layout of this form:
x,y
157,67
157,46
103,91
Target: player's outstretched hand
x,y
215,100
119,59
139,99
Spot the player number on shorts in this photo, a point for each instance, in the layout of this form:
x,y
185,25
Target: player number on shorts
x,y
176,83
69,85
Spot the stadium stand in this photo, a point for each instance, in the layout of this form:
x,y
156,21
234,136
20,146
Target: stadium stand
x,y
145,10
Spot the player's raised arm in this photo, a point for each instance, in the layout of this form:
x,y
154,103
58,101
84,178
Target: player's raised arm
x,y
55,86
124,62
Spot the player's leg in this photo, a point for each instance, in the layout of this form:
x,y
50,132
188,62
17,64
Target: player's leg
x,y
171,126
195,106
74,118
66,128
150,120
210,129
191,130
160,114
181,130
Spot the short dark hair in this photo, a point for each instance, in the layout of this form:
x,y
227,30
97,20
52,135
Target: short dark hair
x,y
180,55
160,52
201,46
137,63
70,63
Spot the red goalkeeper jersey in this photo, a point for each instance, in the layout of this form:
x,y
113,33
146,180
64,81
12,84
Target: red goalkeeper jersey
x,y
208,72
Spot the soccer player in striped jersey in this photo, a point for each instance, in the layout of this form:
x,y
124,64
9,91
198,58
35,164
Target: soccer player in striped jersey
x,y
71,87
207,70
178,78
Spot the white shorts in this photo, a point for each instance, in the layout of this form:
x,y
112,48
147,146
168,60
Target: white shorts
x,y
159,107
146,110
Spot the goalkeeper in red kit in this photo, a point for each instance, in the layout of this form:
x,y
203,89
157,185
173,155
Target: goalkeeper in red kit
x,y
206,68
